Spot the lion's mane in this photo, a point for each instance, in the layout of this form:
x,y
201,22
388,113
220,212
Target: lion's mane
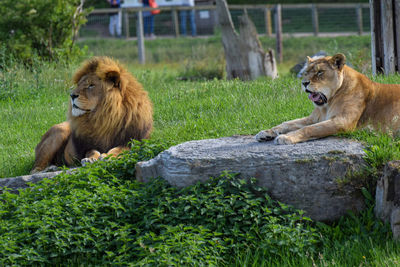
x,y
120,116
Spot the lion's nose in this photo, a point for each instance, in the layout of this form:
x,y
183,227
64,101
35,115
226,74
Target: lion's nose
x,y
306,83
73,96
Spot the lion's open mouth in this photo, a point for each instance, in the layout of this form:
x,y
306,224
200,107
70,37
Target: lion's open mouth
x,y
318,98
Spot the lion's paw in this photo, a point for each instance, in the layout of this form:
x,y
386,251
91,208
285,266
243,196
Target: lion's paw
x,y
266,135
284,139
86,161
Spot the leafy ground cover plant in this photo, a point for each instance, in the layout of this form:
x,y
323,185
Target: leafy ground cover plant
x,y
101,215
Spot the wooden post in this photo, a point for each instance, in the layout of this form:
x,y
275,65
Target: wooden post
x,y
278,31
375,12
120,19
397,32
140,37
175,21
387,36
126,13
359,19
268,24
314,13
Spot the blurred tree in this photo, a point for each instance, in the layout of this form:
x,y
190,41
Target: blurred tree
x,y
43,28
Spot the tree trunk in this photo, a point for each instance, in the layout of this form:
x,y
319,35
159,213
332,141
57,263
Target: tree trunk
x,y
244,55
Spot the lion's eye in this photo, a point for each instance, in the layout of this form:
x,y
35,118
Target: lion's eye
x,y
320,73
91,86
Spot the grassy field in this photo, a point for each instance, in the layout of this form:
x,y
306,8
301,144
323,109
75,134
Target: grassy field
x,y
182,111
100,216
32,101
183,53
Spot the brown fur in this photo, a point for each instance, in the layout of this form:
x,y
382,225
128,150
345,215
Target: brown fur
x,y
353,101
113,109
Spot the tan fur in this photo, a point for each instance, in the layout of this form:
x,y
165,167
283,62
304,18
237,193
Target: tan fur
x,y
353,101
108,108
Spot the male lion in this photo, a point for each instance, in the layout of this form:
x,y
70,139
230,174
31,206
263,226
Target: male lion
x,y
108,108
344,99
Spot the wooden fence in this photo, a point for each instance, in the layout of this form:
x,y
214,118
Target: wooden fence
x,y
271,27
268,11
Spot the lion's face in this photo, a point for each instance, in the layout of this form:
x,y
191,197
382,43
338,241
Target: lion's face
x,y
323,77
87,95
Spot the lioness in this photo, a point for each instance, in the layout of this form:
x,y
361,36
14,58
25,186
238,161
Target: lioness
x,y
344,99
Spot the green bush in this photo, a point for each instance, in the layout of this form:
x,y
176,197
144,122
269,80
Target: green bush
x,y
43,28
101,215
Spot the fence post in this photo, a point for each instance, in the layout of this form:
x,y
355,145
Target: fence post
x,y
140,37
268,24
126,24
387,36
175,21
359,19
397,32
374,11
120,18
314,12
278,31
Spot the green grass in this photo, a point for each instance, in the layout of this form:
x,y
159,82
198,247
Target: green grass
x,y
182,110
32,101
182,52
101,216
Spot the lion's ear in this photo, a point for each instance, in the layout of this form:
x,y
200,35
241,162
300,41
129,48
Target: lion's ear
x,y
309,60
114,78
338,61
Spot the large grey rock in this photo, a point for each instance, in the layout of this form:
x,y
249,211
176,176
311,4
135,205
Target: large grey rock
x,y
304,175
387,197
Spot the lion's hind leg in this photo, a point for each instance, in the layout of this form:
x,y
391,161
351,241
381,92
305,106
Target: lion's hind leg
x,y
48,150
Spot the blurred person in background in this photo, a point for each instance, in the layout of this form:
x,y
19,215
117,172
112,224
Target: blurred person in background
x,y
148,18
115,19
183,16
